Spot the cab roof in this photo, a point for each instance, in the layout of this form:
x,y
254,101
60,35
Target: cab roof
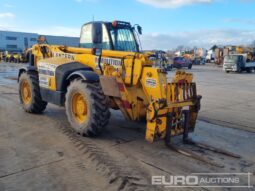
x,y
118,24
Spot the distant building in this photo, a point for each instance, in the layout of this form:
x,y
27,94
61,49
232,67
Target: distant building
x,y
63,40
18,41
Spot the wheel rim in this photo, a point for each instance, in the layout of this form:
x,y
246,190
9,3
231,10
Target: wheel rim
x,y
79,107
26,92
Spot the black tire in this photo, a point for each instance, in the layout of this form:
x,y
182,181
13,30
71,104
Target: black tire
x,y
190,66
226,71
37,105
248,70
98,113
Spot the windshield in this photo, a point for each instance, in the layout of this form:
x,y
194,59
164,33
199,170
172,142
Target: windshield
x,y
231,58
123,39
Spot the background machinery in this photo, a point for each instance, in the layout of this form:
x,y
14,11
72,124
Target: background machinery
x,y
220,53
1,56
238,63
14,57
199,56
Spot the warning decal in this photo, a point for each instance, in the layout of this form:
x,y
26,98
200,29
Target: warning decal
x,y
46,70
150,82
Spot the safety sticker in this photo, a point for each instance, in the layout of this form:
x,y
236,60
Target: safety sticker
x,y
43,81
46,70
150,82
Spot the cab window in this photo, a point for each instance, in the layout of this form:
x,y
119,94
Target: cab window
x,y
123,39
86,38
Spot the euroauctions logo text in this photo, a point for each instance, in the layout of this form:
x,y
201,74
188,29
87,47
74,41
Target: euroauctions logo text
x,y
220,180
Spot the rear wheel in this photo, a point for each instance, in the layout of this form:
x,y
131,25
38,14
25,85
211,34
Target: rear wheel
x,y
86,107
29,93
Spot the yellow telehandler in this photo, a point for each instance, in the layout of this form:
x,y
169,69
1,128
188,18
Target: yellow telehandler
x,y
109,71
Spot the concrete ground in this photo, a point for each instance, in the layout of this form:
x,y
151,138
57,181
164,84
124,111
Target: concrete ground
x,y
228,99
41,152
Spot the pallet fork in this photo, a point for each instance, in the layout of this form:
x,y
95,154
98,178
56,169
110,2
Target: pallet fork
x,y
186,140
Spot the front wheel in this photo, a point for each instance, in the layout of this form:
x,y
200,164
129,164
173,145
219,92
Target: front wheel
x,y
190,66
86,107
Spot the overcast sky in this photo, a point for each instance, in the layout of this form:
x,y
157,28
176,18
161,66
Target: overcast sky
x,y
166,23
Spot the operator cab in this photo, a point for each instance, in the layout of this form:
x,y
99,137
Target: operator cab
x,y
118,35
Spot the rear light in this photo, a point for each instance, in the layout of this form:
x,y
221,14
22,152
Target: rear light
x,y
115,23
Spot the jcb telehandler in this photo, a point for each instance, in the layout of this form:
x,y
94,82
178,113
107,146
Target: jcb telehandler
x,y
108,71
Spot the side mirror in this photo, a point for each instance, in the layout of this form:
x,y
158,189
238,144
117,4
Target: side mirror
x,y
97,33
139,29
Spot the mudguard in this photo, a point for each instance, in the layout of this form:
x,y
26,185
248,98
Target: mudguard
x,y
26,69
87,75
